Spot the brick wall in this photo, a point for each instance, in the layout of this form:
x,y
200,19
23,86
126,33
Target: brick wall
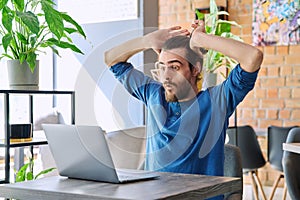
x,y
275,99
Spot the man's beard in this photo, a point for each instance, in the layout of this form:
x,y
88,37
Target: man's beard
x,y
170,97
182,91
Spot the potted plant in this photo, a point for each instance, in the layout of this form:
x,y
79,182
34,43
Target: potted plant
x,y
25,173
27,27
213,60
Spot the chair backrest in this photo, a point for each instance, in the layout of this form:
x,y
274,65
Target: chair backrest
x,y
127,147
291,163
276,137
245,138
233,167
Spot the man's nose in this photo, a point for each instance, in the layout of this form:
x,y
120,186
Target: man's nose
x,y
167,73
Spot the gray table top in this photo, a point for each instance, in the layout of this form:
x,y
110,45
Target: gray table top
x,y
167,186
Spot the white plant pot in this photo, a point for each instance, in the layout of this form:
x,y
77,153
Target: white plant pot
x,y
20,77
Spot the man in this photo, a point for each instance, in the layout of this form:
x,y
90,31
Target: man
x,y
185,127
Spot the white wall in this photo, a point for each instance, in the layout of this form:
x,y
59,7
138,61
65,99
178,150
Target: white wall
x,y
100,99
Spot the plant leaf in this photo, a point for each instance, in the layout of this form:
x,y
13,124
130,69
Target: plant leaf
x,y
199,15
7,18
69,19
19,4
22,57
29,176
70,30
30,20
21,174
229,22
222,13
64,45
44,172
7,55
3,3
53,19
6,39
22,38
31,59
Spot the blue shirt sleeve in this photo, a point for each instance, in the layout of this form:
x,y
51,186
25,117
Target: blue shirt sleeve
x,y
134,81
237,86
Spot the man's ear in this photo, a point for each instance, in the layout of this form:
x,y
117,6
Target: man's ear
x,y
196,69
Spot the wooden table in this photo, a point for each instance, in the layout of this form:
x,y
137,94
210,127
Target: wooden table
x,y
292,147
168,186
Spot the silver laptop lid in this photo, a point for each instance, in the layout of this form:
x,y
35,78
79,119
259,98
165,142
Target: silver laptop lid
x,y
81,152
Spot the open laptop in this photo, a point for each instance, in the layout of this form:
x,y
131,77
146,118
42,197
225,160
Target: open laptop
x,y
82,152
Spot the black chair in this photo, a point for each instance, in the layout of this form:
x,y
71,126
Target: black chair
x,y
233,168
252,158
276,137
291,163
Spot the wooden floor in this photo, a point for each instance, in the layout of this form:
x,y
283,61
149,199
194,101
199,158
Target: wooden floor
x,y
247,193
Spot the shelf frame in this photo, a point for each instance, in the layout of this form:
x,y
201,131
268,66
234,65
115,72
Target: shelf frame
x,y
6,144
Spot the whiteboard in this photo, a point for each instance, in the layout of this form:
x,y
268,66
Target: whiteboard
x,y
95,11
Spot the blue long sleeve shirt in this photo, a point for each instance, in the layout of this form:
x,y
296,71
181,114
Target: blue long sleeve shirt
x,y
186,137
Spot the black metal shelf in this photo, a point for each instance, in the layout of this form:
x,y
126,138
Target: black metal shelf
x,y
6,143
34,142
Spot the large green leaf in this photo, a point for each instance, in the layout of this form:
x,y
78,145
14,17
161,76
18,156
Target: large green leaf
x,y
7,18
19,4
64,45
3,3
30,20
6,39
31,60
69,19
53,19
22,38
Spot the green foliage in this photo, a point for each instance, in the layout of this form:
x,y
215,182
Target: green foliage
x,y
25,173
213,25
30,25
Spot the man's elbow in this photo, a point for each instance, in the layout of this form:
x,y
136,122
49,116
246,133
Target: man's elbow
x,y
257,58
107,60
254,60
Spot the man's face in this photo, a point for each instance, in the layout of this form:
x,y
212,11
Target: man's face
x,y
177,78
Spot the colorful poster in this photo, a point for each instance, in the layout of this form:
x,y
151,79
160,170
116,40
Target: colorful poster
x,y
276,22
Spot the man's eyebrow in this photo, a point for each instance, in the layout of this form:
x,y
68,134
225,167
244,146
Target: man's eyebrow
x,y
170,62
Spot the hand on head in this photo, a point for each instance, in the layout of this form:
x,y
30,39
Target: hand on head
x,y
198,29
157,38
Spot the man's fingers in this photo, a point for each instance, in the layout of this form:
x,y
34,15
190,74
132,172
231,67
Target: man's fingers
x,y
179,32
175,28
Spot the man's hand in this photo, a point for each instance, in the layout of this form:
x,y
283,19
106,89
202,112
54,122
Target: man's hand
x,y
249,57
157,38
154,40
196,36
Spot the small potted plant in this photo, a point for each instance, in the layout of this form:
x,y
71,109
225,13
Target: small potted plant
x,y
25,173
26,28
213,60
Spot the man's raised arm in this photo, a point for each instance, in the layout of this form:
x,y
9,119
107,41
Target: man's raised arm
x,y
154,40
249,57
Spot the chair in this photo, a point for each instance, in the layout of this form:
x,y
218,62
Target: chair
x,y
291,163
252,158
276,137
128,147
233,168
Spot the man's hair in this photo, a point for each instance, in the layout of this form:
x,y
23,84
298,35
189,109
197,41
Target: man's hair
x,y
184,42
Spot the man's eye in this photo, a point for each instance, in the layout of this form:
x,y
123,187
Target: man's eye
x,y
174,67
